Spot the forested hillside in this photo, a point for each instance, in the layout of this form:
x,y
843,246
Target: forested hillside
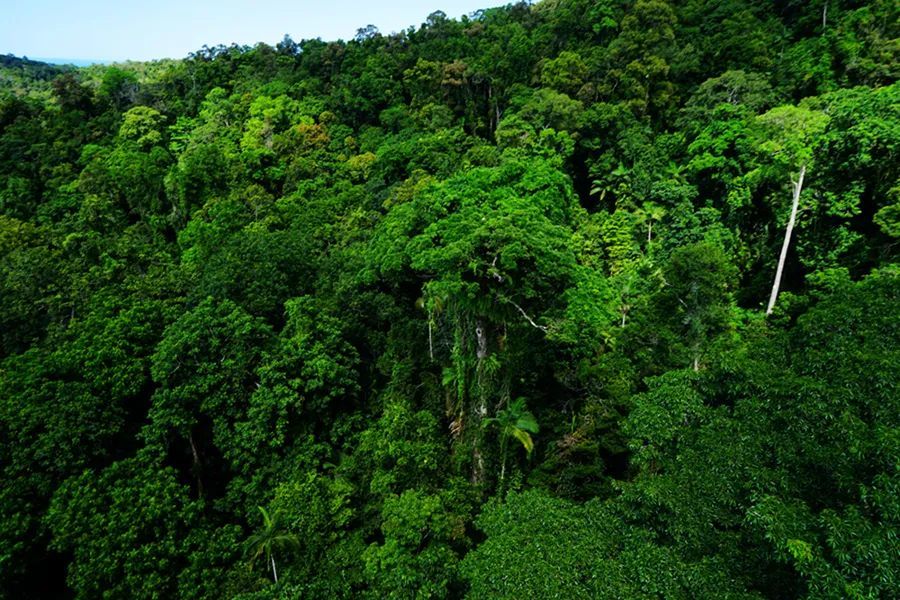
x,y
24,77
573,299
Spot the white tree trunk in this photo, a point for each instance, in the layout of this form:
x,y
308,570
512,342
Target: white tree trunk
x,y
798,186
274,572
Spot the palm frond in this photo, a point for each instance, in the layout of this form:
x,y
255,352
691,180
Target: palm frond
x,y
525,438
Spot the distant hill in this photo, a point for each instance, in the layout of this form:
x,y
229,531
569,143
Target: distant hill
x,y
73,62
25,77
33,68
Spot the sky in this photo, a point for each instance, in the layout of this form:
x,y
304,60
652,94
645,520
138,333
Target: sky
x,y
112,30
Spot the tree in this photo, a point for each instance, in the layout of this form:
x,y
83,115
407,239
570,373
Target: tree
x,y
417,558
514,422
640,57
205,369
696,299
566,73
791,141
146,518
803,498
118,87
736,88
71,93
648,213
142,125
538,546
270,538
489,243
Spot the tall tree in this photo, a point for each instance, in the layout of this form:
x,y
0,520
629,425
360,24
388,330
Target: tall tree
x,y
791,137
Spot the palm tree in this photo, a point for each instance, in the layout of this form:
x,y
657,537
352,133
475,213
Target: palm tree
x,y
648,213
272,537
517,422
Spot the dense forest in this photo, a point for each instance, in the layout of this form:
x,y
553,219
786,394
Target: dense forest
x,y
572,299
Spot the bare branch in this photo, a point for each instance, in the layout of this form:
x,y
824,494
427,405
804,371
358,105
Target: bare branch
x,y
527,318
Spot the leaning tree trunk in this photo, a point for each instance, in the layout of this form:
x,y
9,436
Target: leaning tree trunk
x,y
274,572
797,185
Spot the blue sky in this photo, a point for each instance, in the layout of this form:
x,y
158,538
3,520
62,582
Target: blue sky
x,y
126,29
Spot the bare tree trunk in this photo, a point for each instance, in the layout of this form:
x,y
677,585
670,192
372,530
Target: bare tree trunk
x,y
798,186
274,572
491,126
477,465
502,456
197,464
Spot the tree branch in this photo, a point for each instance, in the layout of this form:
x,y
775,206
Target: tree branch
x,y
527,318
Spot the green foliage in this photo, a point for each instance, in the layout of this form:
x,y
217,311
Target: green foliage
x,y
416,559
542,547
565,73
285,304
403,449
514,422
142,125
118,87
269,539
813,495
696,299
144,515
791,134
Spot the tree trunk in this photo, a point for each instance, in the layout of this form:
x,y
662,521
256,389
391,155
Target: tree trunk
x,y
197,464
480,409
274,572
477,465
502,457
481,352
490,104
798,186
